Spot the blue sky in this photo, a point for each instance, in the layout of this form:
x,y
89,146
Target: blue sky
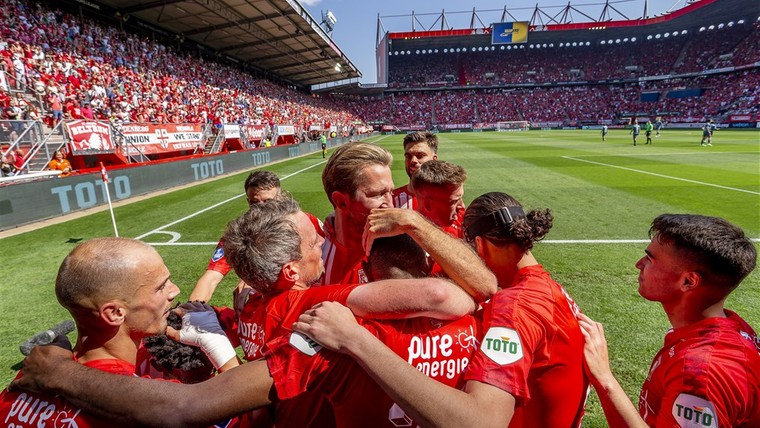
x,y
356,27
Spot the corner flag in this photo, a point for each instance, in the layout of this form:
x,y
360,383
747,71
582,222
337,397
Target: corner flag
x,y
104,176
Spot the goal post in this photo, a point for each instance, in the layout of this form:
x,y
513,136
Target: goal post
x,y
515,125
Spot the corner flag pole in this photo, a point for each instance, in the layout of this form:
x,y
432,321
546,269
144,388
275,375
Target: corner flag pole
x,y
104,176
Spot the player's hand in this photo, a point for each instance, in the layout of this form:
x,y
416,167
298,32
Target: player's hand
x,y
200,327
595,350
44,365
332,325
182,310
384,222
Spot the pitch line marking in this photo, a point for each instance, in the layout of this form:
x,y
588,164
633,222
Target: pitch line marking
x,y
662,175
160,229
548,241
661,154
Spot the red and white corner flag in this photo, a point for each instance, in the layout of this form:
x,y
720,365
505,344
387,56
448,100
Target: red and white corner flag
x,y
104,176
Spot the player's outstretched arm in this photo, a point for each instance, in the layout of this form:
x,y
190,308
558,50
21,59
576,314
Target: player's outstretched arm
x,y
428,402
406,298
457,259
618,408
145,402
206,286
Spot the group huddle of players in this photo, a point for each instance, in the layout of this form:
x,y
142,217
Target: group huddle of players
x,y
402,308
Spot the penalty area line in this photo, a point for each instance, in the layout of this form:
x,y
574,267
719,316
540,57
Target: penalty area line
x,y
662,175
160,229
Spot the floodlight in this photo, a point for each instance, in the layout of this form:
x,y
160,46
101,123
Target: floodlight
x,y
712,27
720,25
603,42
633,39
649,37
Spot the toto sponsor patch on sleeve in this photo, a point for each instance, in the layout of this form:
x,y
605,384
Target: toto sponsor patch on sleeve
x,y
691,411
502,345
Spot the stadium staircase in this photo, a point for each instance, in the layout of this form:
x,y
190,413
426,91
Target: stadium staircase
x,y
681,56
42,154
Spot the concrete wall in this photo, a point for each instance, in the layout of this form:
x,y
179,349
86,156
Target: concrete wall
x,y
37,200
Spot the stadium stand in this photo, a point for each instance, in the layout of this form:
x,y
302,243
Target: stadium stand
x,y
130,78
55,61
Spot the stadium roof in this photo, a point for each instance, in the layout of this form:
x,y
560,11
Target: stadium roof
x,y
276,36
703,12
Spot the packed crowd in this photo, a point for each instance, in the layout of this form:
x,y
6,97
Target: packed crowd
x,y
79,69
737,92
700,51
447,318
84,70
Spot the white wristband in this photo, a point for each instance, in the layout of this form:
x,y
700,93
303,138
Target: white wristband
x,y
202,329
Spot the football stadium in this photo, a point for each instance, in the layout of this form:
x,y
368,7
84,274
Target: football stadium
x,y
153,120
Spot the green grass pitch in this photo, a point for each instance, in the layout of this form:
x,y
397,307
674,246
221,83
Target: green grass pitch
x,y
601,194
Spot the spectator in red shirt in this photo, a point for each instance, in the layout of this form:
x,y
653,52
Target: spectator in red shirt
x,y
87,112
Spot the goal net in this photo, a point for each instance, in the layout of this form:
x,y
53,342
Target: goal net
x,y
517,125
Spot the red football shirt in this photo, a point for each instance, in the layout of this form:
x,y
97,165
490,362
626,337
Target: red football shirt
x,y
267,316
402,198
533,349
339,260
30,409
707,374
441,350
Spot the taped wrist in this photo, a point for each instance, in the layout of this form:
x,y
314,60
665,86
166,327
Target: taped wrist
x,y
202,329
